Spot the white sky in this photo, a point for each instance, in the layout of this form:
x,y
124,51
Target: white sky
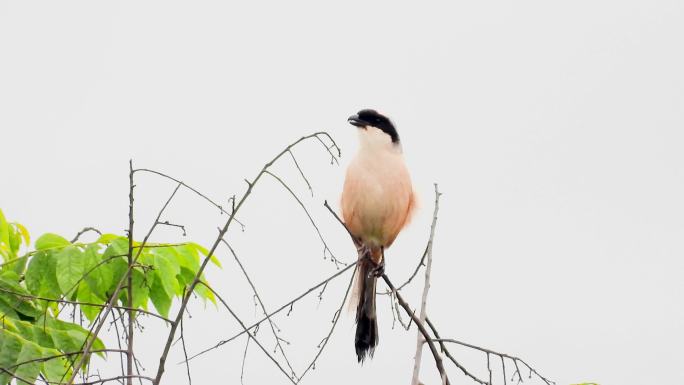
x,y
554,129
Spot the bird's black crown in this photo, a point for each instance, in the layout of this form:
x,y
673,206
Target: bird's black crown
x,y
375,119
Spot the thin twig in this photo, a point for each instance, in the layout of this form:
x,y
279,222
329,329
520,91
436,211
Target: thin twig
x,y
244,359
503,368
68,354
64,301
313,223
489,368
281,308
242,325
407,308
222,233
421,328
185,352
167,223
261,303
206,198
453,360
115,295
420,340
94,382
489,351
336,317
83,231
129,257
301,173
118,342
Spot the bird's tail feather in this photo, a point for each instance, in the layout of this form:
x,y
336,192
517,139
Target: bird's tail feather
x,y
366,321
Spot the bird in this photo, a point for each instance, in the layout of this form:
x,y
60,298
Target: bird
x,y
376,204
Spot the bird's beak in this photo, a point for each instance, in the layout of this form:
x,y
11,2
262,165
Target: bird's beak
x,y
355,121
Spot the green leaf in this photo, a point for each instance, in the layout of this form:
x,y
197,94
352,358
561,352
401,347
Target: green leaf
x,y
54,368
29,371
98,271
14,239
41,278
22,341
24,233
16,296
70,266
72,337
205,293
160,299
41,335
108,238
10,347
185,277
205,252
49,241
85,294
166,271
5,250
188,257
6,310
141,290
117,249
80,335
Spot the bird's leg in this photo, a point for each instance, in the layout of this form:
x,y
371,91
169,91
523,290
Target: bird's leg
x,y
379,269
357,243
363,250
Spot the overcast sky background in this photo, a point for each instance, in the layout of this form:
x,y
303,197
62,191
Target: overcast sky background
x,y
554,129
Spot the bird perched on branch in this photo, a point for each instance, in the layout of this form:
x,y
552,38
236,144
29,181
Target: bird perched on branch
x,y
377,202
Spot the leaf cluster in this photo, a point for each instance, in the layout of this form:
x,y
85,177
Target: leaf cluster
x,y
39,288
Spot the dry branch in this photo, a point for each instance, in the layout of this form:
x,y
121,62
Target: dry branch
x,y
420,340
92,336
224,229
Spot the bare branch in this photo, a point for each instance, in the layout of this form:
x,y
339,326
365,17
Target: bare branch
x,y
218,206
224,229
492,352
281,308
185,352
83,231
453,360
301,173
244,359
167,223
336,317
333,146
420,340
232,313
404,304
430,341
129,278
421,328
115,295
261,303
313,223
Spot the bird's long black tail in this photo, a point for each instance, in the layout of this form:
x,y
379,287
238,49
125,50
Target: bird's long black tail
x,y
366,321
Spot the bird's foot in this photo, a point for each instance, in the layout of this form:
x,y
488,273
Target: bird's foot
x,y
379,269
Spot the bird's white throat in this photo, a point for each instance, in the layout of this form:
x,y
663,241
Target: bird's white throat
x,y
375,140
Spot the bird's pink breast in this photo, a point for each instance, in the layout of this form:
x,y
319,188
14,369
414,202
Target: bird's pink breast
x,y
377,197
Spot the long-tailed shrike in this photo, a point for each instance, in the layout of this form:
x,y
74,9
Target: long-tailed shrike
x,y
377,202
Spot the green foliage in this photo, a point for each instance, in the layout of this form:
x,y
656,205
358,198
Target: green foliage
x,y
12,236
36,287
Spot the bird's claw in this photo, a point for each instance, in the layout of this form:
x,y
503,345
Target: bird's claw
x,y
379,269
